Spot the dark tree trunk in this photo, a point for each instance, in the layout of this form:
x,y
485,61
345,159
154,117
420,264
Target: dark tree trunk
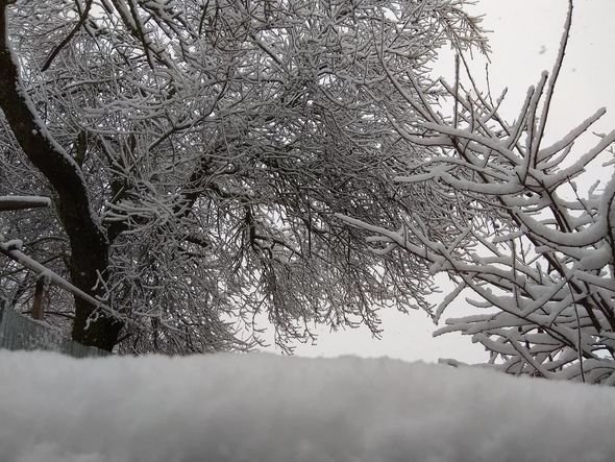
x,y
89,245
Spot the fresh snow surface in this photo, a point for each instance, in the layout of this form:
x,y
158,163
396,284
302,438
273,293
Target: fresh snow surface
x,y
266,408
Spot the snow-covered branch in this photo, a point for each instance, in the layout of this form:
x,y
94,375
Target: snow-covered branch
x,y
539,253
23,202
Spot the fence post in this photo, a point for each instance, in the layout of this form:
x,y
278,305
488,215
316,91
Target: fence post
x,y
38,306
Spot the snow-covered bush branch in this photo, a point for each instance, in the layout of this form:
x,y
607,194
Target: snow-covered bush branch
x,y
534,250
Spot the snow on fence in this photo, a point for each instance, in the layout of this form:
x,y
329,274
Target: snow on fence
x,y
20,333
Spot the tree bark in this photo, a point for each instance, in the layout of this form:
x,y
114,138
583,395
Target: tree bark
x,y
89,245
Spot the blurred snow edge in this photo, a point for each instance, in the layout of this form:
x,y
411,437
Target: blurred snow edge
x,y
262,407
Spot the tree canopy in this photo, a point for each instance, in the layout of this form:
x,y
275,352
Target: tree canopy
x,y
197,154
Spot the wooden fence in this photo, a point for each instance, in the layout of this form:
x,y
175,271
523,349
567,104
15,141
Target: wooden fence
x,y
18,332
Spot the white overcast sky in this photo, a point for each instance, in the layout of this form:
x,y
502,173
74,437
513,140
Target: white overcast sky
x,y
524,40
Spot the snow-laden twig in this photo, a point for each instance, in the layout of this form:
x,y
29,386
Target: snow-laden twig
x,y
539,261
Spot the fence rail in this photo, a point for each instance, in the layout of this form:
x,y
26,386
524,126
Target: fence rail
x,y
20,333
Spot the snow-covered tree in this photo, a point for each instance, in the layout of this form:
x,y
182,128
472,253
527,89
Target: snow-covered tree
x,y
534,250
197,153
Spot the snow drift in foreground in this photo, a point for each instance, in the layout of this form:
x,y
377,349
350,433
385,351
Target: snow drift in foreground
x,y
261,407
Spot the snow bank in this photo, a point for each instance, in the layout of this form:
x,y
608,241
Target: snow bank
x,y
261,407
